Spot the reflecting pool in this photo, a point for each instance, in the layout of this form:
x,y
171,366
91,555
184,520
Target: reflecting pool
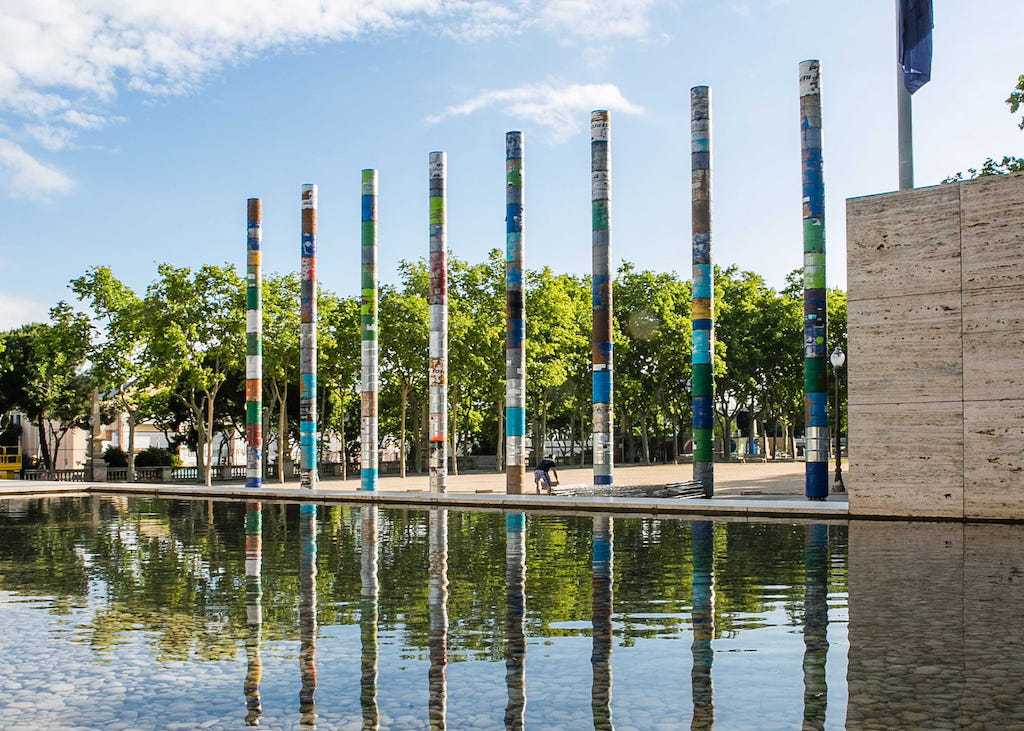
x,y
124,613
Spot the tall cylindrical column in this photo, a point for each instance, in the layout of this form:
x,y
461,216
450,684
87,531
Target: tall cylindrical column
x,y
254,345
601,193
368,455
703,292
815,347
438,375
515,318
307,342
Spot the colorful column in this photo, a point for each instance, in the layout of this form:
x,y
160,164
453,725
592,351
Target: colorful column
x,y
253,611
515,621
702,291
254,345
438,375
515,318
368,455
308,476
437,608
815,347
601,193
603,631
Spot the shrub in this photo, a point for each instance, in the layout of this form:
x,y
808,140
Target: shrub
x,y
115,457
157,457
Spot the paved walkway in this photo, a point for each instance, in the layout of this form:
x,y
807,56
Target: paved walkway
x,y
751,491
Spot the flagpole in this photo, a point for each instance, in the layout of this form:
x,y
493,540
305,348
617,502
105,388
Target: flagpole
x,y
904,111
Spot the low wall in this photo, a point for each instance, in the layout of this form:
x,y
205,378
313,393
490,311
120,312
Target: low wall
x,y
936,350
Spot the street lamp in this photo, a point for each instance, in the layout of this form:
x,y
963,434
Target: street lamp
x,y
838,358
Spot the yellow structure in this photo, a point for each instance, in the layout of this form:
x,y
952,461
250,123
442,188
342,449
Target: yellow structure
x,y
10,462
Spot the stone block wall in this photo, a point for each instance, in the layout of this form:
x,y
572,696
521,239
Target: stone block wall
x,y
936,341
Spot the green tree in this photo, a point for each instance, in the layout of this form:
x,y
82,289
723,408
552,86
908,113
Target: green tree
x,y
198,323
280,356
119,355
404,328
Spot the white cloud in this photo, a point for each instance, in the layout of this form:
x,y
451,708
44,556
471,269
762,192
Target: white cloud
x,y
15,312
26,177
560,110
63,62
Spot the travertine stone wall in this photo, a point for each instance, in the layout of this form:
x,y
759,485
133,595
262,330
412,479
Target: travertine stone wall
x,y
936,341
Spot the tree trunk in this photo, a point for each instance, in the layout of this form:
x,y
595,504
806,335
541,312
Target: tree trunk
x,y
283,446
44,443
645,439
499,449
454,432
208,472
131,444
402,456
344,441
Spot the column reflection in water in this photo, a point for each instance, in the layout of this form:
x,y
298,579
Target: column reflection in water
x,y
515,618
703,621
815,626
307,614
438,610
253,612
370,589
601,655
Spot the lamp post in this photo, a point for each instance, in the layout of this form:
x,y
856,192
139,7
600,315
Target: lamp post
x,y
838,358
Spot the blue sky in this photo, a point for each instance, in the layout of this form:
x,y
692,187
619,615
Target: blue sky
x,y
132,133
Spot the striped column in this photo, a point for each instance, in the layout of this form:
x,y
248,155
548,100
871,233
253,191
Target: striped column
x,y
601,192
253,611
515,318
307,615
602,628
515,621
702,291
437,609
368,455
254,345
438,375
815,625
307,343
815,347
368,616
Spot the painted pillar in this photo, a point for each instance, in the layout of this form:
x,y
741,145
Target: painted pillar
x,y
368,616
253,612
601,192
254,345
815,626
368,454
515,621
815,347
437,608
703,292
703,622
438,374
308,475
307,615
603,633
515,318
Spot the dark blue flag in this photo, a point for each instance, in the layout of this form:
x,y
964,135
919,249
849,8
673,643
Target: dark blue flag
x,y
916,42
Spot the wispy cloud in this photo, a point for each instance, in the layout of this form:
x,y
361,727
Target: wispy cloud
x,y
25,177
15,311
64,62
560,110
